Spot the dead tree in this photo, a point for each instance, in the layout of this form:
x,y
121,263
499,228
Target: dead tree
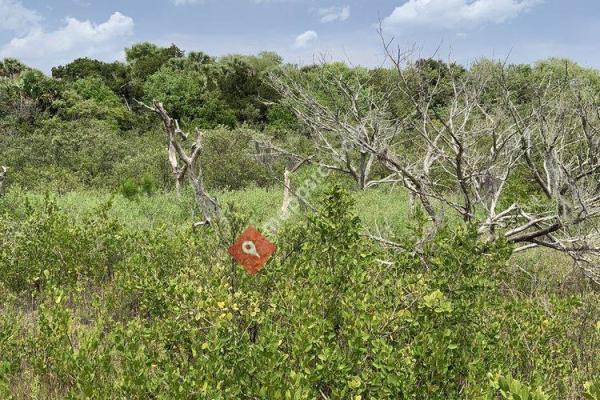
x,y
266,152
3,175
343,115
171,127
478,148
464,153
560,139
187,164
287,184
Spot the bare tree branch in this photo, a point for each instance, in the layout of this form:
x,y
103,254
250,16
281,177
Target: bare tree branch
x,y
348,116
3,176
186,164
464,141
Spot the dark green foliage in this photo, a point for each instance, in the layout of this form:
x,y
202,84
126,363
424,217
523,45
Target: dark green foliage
x,y
187,95
244,87
148,185
114,75
144,60
42,90
129,189
147,58
430,73
229,160
91,98
12,68
83,129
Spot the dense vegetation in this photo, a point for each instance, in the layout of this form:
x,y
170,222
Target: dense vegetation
x,y
108,292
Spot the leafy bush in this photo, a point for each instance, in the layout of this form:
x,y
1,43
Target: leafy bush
x,y
163,313
592,390
70,153
148,185
45,248
129,189
229,161
511,389
92,98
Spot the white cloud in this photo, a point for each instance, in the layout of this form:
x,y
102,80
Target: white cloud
x,y
450,14
15,17
76,39
334,14
304,39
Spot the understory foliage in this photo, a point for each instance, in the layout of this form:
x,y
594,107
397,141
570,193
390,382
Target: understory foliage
x,y
93,309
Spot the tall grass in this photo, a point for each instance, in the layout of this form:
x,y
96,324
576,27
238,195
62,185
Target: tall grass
x,y
375,208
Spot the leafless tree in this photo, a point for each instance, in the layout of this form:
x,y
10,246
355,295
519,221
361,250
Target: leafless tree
x,y
186,164
171,127
3,175
560,141
267,152
346,116
465,153
288,191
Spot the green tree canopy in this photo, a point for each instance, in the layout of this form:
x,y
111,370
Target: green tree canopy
x,y
115,75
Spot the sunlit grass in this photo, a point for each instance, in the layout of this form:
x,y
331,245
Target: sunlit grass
x,y
375,208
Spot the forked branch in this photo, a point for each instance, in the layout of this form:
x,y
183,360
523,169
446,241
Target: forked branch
x,y
186,163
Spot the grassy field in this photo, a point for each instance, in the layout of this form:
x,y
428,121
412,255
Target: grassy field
x,y
376,207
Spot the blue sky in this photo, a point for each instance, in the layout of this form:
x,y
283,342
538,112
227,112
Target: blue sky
x,y
48,33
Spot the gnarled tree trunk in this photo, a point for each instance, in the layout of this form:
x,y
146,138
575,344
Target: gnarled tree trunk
x,y
187,164
287,185
3,175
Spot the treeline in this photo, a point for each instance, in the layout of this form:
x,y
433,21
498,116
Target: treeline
x,y
81,127
197,88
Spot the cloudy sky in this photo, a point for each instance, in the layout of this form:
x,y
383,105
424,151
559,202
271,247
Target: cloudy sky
x,y
46,33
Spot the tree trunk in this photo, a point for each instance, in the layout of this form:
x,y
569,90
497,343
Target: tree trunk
x,y
2,178
209,205
184,164
287,198
287,185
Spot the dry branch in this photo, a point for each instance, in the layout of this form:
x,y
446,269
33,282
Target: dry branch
x,y
463,154
186,163
341,126
287,184
3,175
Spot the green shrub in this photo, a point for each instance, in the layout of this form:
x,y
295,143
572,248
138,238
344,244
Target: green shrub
x,y
129,189
592,390
229,161
511,389
132,188
148,185
46,248
94,310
